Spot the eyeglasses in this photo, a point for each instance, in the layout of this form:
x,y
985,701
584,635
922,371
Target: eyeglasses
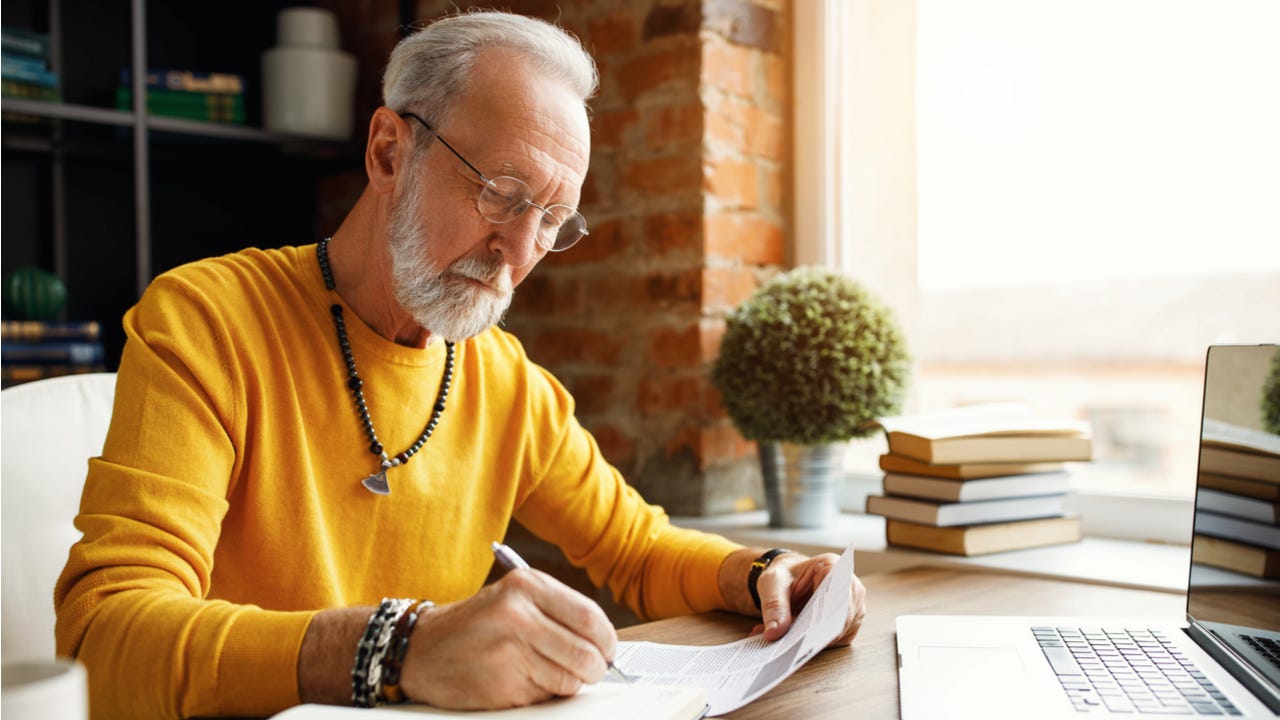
x,y
505,198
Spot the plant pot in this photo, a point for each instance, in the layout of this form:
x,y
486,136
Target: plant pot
x,y
802,483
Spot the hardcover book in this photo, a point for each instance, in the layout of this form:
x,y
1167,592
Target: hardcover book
x,y
963,471
984,539
1009,486
946,514
1233,528
987,433
1235,451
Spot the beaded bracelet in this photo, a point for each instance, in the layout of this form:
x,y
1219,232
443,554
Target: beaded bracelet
x,y
366,672
393,663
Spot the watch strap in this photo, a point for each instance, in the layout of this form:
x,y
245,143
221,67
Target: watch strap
x,y
758,566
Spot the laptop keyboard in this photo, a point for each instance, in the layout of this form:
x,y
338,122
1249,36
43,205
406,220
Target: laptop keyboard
x,y
1132,671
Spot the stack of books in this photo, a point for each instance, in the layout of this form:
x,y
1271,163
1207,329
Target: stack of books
x,y
978,480
1238,500
24,66
32,350
208,97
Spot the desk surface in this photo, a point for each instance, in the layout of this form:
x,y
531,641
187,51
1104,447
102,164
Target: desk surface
x,y
864,677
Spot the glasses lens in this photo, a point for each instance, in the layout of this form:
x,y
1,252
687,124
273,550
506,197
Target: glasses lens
x,y
571,230
503,199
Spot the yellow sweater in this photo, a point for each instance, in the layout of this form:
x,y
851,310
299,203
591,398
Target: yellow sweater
x,y
227,509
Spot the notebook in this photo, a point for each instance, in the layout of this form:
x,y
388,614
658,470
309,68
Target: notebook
x,y
1222,661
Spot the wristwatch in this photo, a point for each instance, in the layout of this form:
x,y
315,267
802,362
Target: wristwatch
x,y
758,566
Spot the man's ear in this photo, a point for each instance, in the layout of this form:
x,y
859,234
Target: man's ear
x,y
390,143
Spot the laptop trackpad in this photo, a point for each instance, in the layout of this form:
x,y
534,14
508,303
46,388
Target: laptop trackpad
x,y
974,677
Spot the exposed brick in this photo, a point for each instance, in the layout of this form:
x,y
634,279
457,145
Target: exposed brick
x,y
673,66
744,23
764,133
674,287
682,19
667,394
674,125
612,129
777,81
726,287
616,446
594,394
656,177
669,232
720,443
744,236
774,188
711,333
613,32
735,183
604,239
679,347
728,68
562,345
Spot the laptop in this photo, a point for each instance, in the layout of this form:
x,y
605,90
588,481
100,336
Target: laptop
x,y
1223,661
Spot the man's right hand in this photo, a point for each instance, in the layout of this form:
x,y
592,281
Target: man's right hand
x,y
522,639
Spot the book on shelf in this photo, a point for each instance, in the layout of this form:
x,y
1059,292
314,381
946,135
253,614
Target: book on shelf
x,y
946,514
1241,506
27,70
28,91
993,488
1003,432
984,539
15,374
20,41
213,107
188,81
1240,486
46,330
51,353
1238,529
963,471
1260,562
601,700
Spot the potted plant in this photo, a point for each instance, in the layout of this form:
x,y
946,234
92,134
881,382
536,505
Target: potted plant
x,y
808,362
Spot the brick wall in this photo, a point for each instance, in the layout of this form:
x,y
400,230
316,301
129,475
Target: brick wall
x,y
687,204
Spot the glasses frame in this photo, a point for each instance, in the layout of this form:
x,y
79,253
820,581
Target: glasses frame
x,y
526,201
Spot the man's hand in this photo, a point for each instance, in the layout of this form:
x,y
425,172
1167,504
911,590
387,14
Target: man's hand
x,y
523,639
784,587
520,640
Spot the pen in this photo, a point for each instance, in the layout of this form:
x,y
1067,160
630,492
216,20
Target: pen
x,y
510,560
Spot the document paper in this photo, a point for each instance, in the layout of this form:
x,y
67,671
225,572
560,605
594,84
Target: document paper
x,y
734,674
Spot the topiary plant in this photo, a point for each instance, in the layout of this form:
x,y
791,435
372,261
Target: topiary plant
x,y
812,357
1271,397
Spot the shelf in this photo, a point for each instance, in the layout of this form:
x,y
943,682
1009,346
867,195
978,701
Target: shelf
x,y
195,128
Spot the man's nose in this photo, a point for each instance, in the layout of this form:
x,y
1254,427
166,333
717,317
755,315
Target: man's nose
x,y
517,240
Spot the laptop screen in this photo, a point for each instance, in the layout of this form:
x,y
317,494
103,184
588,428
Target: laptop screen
x,y
1234,584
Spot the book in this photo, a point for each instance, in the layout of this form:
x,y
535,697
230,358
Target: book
x,y
14,374
41,353
987,433
1240,506
17,41
215,107
28,70
41,331
946,514
188,81
963,471
1237,529
984,539
1240,486
1239,557
1008,486
1236,451
602,700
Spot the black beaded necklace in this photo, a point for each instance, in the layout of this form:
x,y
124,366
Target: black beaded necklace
x,y
377,482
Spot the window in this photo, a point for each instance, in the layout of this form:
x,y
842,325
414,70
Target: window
x,y
1065,201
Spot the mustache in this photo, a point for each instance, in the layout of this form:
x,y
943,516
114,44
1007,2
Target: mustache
x,y
488,270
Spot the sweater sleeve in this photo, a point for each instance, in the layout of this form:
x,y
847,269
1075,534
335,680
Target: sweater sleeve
x,y
582,504
132,602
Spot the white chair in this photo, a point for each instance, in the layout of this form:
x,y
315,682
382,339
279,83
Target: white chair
x,y
49,430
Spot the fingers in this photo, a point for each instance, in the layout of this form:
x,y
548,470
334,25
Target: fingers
x,y
523,639
788,584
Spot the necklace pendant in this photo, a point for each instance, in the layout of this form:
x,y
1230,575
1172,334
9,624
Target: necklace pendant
x,y
377,483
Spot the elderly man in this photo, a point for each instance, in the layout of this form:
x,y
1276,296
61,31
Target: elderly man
x,y
313,447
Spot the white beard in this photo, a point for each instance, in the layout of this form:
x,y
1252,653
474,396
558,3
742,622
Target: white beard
x,y
444,301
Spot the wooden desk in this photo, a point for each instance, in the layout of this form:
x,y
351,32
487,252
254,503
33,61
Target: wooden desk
x,y
862,680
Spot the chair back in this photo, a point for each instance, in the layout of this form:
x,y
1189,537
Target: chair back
x,y
48,431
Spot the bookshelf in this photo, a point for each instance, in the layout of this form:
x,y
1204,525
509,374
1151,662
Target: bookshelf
x,y
108,198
